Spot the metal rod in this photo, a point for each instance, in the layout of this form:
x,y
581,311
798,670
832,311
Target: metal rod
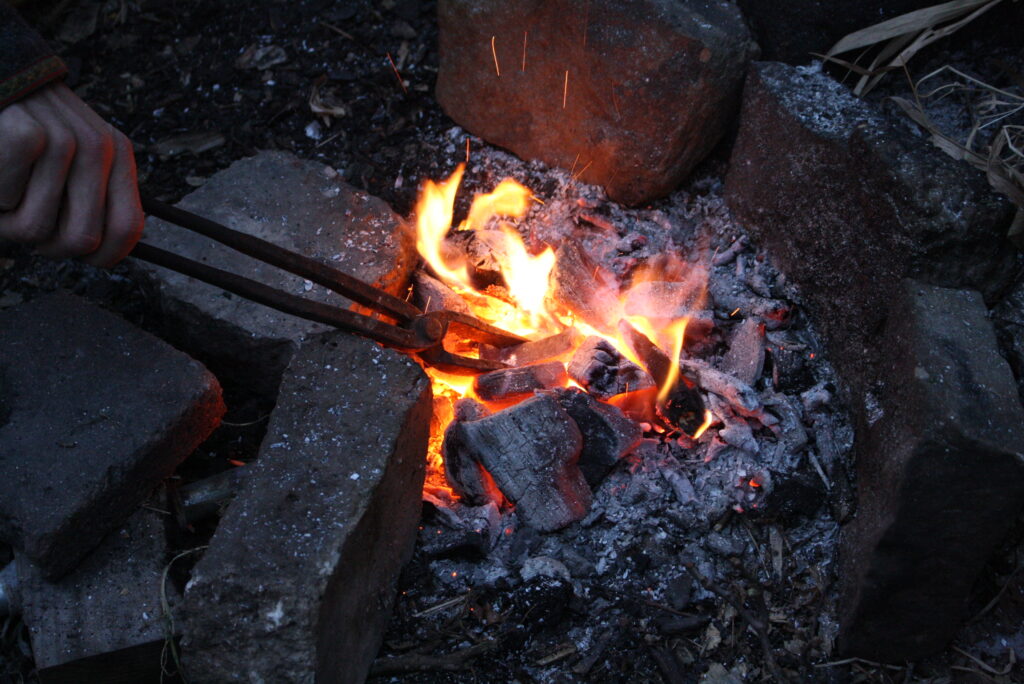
x,y
299,264
428,334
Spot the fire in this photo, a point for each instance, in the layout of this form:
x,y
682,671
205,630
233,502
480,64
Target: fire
x,y
527,309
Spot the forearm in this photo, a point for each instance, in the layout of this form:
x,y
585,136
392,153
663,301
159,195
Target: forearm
x,y
26,61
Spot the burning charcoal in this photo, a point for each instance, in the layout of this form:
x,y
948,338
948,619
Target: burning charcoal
x,y
740,395
483,251
534,351
607,434
600,369
531,450
430,294
465,476
583,287
683,407
700,326
745,358
514,383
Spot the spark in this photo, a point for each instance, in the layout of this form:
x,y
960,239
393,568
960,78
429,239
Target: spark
x,y
577,176
734,312
565,89
574,163
467,149
397,75
494,53
524,51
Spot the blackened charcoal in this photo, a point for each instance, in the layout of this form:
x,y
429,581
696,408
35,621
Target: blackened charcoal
x,y
790,370
531,450
430,294
656,361
583,287
536,350
600,369
465,476
514,383
683,407
607,434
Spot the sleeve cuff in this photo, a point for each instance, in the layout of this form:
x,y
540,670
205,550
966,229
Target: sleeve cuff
x,y
31,78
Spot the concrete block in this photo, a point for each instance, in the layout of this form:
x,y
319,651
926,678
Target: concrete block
x,y
940,477
299,578
301,205
94,413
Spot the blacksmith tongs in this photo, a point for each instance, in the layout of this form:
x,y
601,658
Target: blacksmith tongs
x,y
414,332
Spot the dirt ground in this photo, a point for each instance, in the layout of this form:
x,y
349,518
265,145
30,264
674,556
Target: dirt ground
x,y
197,85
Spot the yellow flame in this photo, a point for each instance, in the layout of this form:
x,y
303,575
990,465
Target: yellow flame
x,y
527,276
508,199
676,331
708,419
434,211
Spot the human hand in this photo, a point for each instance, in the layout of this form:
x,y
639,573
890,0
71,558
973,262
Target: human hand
x,y
68,183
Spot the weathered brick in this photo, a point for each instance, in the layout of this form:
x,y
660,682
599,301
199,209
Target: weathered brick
x,y
94,413
299,578
297,204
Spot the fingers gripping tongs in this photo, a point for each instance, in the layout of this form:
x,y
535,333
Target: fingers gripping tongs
x,y
414,331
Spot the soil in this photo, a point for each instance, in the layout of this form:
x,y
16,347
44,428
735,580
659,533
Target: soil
x,y
197,85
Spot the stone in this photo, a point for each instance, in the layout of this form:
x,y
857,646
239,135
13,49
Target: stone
x,y
848,203
299,578
607,434
940,477
532,450
629,96
300,205
94,414
105,621
1008,317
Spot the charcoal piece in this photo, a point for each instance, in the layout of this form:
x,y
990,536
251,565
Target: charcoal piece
x,y
683,406
790,370
535,350
482,251
600,369
672,625
607,434
532,450
790,429
583,287
741,396
745,358
515,383
430,294
795,494
465,475
657,362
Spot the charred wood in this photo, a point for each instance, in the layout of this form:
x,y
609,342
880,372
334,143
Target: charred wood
x,y
514,383
535,350
430,294
481,250
585,288
531,450
745,358
465,475
607,434
600,369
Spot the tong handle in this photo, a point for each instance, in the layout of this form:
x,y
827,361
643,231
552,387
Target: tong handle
x,y
299,264
425,332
